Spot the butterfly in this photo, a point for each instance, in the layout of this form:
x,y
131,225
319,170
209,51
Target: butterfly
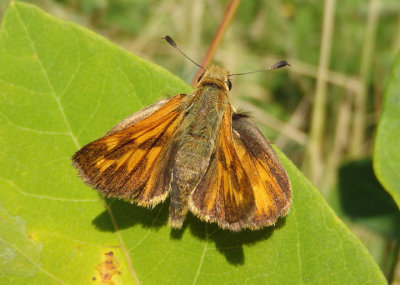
x,y
195,149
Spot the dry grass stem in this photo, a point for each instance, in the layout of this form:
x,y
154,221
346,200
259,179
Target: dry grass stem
x,y
314,158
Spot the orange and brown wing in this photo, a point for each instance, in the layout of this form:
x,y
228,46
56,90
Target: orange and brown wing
x,y
270,183
225,193
133,162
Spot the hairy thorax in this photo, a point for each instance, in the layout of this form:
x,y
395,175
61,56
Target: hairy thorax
x,y
200,126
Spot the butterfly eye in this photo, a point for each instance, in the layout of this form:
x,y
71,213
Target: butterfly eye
x,y
229,84
200,77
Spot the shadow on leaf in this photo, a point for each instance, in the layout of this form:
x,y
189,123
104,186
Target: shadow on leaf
x,y
230,244
128,215
365,201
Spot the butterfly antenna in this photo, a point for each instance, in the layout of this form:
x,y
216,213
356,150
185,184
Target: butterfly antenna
x,y
172,43
275,66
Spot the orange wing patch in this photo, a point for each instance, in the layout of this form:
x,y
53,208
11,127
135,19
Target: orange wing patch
x,y
271,186
225,193
134,163
245,185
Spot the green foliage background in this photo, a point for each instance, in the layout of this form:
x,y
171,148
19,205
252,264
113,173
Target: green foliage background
x,y
62,86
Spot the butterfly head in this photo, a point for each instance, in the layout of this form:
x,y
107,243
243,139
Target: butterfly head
x,y
215,76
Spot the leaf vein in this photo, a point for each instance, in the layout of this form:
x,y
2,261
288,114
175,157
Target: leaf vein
x,y
46,76
31,261
22,192
30,129
298,248
202,256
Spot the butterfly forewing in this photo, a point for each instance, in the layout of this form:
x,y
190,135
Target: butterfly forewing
x,y
133,162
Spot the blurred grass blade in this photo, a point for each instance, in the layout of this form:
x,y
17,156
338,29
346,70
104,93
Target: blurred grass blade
x,y
387,142
62,86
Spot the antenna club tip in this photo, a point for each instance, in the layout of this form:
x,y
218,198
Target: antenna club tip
x,y
170,41
282,63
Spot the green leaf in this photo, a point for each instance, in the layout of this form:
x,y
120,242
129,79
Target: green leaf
x,y
61,87
387,142
375,208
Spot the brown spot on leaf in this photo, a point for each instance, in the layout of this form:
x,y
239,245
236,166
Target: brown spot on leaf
x,y
32,237
107,269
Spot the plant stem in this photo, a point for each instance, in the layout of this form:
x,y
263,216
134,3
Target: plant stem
x,y
229,13
358,134
314,152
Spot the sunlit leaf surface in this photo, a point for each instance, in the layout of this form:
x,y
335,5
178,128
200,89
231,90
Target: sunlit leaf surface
x,y
387,143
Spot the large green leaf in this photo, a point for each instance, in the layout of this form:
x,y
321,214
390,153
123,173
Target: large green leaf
x,y
387,142
62,86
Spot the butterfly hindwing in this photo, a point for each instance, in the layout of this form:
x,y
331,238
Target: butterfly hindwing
x,y
133,160
225,194
271,186
245,185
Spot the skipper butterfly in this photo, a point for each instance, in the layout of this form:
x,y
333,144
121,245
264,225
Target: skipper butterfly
x,y
195,149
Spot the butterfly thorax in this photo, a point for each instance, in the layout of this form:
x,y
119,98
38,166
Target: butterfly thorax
x,y
199,131
201,122
200,127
